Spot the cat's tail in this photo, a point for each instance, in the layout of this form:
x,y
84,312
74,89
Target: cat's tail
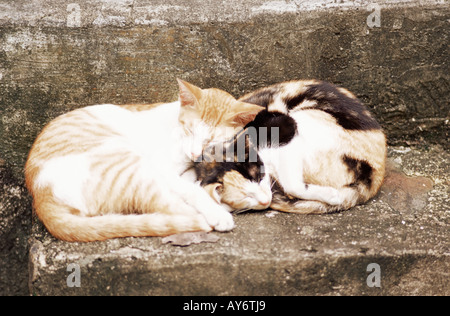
x,y
65,223
304,207
284,203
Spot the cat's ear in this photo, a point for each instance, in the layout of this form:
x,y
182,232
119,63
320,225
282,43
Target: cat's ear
x,y
189,94
215,191
244,113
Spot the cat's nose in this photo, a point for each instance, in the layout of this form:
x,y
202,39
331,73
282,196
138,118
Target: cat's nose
x,y
265,203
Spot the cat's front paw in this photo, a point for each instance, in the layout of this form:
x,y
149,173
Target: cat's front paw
x,y
334,197
226,223
220,220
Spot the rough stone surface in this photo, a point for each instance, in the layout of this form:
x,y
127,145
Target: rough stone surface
x,y
15,229
56,56
271,253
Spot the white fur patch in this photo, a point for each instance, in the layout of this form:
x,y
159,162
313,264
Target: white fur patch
x,y
193,146
67,177
260,192
315,134
278,105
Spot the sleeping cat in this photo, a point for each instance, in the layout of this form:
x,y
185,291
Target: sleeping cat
x,y
330,153
109,171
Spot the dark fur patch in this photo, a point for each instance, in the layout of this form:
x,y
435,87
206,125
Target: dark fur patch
x,y
349,113
279,195
214,172
209,170
292,102
287,127
362,171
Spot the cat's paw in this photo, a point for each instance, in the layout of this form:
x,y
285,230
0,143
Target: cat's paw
x,y
220,220
334,197
226,222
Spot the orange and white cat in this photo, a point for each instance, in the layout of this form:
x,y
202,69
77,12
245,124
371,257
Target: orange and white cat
x,y
109,171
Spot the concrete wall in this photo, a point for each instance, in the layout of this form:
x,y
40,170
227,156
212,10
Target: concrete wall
x,y
60,55
55,57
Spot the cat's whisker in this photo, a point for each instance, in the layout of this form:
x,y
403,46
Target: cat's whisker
x,y
272,184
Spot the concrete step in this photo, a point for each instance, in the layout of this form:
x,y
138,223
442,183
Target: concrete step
x,y
56,56
403,231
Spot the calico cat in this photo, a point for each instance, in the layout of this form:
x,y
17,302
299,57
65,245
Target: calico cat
x,y
329,154
109,171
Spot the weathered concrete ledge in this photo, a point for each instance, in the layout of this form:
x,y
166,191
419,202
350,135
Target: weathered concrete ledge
x,y
122,13
404,230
